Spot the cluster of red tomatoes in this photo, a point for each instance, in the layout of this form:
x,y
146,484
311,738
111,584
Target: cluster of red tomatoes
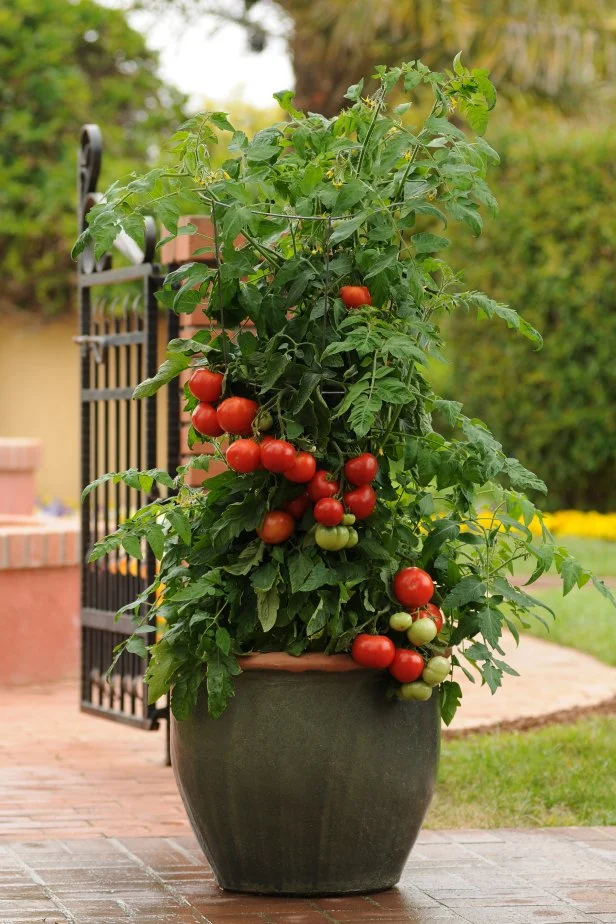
x,y
334,517
422,621
233,415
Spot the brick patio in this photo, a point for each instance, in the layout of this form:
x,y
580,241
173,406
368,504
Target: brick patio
x,y
92,830
564,876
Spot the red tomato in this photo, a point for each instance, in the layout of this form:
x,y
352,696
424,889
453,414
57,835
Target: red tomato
x,y
322,485
362,469
431,611
328,511
413,587
276,527
303,468
235,415
298,506
373,651
407,665
361,501
355,296
206,385
277,455
243,456
205,420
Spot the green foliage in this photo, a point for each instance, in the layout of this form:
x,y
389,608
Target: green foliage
x,y
306,206
551,251
64,64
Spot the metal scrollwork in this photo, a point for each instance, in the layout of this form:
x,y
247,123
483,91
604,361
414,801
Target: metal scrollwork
x,y
88,171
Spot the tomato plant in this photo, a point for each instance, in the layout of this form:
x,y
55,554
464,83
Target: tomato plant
x,y
328,511
243,456
362,469
277,455
277,526
235,415
376,651
322,485
407,665
303,468
206,385
361,501
355,296
413,587
312,217
205,420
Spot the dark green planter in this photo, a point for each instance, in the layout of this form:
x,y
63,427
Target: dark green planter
x,y
310,783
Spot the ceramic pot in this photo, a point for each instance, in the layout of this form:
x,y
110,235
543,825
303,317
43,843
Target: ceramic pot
x,y
312,782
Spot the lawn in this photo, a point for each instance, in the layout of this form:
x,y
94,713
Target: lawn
x,y
558,775
585,620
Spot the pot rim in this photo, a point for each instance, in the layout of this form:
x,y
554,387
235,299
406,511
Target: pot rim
x,y
297,664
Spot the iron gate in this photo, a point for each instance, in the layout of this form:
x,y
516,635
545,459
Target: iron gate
x,y
118,325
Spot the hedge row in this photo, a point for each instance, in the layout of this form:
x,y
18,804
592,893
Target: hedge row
x,y
551,253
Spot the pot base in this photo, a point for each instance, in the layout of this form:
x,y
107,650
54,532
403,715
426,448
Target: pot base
x,y
309,784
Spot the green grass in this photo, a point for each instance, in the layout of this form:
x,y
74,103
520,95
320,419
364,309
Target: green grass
x,y
596,554
584,620
558,775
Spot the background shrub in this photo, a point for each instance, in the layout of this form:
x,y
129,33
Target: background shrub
x,y
551,253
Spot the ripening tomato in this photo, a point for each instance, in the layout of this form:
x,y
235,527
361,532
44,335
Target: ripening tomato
x,y
205,420
362,469
206,385
235,415
433,612
276,527
331,538
436,670
361,501
328,511
417,690
243,456
376,651
413,587
422,632
277,455
322,485
298,506
355,296
407,665
303,468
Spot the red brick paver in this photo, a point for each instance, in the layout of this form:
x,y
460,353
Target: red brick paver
x,y
67,774
566,876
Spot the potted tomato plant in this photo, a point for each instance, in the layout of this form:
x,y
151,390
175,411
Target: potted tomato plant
x,y
322,593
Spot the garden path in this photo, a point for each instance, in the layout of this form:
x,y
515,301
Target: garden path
x,y
66,774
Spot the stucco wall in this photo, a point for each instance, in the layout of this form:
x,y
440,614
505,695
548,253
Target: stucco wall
x,y
39,395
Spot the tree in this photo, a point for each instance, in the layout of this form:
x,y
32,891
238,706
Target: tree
x,y
64,64
559,49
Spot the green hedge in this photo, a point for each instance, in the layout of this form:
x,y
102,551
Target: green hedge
x,y
551,253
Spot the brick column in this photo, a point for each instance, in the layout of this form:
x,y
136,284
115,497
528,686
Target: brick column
x,y
178,251
19,461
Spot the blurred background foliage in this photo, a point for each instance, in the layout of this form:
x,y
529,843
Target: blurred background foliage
x,y
550,252
64,64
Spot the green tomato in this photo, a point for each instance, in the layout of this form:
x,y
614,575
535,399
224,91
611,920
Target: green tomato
x,y
417,691
422,631
348,519
401,621
331,538
436,670
264,421
353,537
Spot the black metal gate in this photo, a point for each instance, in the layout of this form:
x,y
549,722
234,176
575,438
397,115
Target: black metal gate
x,y
118,325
